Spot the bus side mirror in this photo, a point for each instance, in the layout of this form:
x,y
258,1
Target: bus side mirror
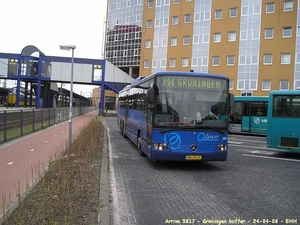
x,y
152,93
231,100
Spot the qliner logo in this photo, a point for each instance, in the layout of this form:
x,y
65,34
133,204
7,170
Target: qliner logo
x,y
208,137
174,140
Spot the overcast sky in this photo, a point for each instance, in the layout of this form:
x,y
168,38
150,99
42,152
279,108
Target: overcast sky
x,y
48,24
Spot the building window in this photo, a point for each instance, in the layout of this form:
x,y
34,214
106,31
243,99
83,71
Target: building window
x,y
147,43
242,60
150,4
174,20
186,40
270,7
266,85
194,61
166,21
136,52
187,18
196,39
154,63
146,63
173,41
216,60
184,62
231,36
231,83
149,23
268,59
269,33
164,42
287,32
157,22
285,58
172,62
217,37
175,1
218,14
197,17
254,59
287,6
232,12
230,60
284,85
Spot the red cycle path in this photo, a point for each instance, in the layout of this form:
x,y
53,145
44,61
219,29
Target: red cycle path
x,y
22,158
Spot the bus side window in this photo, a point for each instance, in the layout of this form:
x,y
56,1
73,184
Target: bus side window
x,y
296,112
259,112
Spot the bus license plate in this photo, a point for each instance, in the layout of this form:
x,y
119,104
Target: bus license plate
x,y
193,157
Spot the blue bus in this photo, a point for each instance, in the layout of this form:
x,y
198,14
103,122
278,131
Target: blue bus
x,y
151,114
249,114
283,131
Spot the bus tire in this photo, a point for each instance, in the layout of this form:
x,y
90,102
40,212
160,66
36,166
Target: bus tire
x,y
123,129
139,145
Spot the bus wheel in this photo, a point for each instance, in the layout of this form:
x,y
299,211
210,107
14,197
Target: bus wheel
x,y
123,130
139,145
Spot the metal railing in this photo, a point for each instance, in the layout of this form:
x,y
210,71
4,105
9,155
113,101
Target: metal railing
x,y
17,123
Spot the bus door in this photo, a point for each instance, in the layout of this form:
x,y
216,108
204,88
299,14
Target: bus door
x,y
246,117
258,117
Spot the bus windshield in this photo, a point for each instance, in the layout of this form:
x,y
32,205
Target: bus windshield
x,y
191,102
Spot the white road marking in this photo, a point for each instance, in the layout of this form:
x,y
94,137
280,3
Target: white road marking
x,y
246,146
268,157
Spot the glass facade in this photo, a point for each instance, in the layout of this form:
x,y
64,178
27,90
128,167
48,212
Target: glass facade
x,y
123,34
249,45
162,12
201,35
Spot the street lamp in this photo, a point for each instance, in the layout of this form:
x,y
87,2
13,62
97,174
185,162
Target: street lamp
x,y
68,48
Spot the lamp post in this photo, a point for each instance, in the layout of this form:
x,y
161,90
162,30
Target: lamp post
x,y
68,48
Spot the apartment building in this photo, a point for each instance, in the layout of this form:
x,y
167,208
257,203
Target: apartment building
x,y
256,43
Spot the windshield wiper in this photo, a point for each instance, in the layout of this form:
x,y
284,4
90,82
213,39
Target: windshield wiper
x,y
177,128
192,128
215,129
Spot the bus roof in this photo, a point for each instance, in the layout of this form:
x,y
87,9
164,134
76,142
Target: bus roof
x,y
285,92
251,98
189,73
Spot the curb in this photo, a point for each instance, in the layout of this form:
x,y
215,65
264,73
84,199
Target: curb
x,y
104,216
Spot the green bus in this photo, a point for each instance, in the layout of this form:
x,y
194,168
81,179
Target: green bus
x,y
283,129
249,114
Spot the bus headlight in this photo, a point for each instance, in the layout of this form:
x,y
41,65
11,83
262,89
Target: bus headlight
x,y
160,146
222,147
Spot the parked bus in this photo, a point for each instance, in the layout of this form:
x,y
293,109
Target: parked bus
x,y
151,114
249,114
283,131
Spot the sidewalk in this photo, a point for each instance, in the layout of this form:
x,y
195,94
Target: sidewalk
x,y
19,158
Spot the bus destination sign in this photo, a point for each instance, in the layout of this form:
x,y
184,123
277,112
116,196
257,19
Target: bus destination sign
x,y
192,82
